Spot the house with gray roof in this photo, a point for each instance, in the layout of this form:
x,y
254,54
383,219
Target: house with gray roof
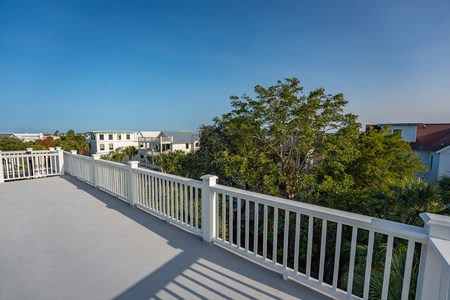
x,y
154,143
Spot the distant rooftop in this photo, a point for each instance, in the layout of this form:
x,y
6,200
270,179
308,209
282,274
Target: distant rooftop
x,y
432,137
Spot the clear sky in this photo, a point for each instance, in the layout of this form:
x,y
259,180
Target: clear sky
x,y
172,65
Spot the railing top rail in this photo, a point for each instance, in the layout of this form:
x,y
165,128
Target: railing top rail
x,y
400,230
26,153
191,182
44,151
109,163
13,152
83,157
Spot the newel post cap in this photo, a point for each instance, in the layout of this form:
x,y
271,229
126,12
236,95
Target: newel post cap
x,y
436,225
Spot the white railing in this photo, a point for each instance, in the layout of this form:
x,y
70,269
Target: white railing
x,y
344,255
173,198
16,165
328,249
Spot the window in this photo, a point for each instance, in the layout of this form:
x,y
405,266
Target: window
x,y
111,146
128,136
196,144
187,145
110,137
431,162
119,136
102,137
102,146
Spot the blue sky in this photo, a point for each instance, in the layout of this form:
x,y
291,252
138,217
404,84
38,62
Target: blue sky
x,y
170,65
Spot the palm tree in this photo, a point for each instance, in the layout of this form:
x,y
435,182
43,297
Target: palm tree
x,y
130,151
117,155
401,202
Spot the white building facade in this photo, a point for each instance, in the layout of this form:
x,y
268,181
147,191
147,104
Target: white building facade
x,y
150,144
103,142
154,143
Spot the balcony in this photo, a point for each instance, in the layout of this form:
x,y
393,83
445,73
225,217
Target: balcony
x,y
108,230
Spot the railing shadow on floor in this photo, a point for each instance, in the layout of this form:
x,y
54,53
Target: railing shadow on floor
x,y
200,270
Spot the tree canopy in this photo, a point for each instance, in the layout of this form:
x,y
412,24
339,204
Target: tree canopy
x,y
72,141
300,146
69,141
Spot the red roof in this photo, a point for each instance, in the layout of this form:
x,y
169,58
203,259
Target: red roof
x,y
432,137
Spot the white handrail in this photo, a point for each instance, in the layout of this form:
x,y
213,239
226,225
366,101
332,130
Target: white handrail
x,y
315,245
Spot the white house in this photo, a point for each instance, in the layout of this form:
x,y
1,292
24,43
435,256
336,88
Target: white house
x,y
103,142
29,137
431,142
154,143
149,143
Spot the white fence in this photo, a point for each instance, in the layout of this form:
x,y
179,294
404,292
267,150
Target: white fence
x,y
344,255
16,165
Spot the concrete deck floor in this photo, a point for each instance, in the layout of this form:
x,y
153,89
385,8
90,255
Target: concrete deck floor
x,y
63,239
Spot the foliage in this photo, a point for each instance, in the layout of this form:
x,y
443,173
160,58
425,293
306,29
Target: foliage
x,y
15,144
67,142
275,144
46,143
404,201
72,141
12,144
302,147
398,262
130,151
116,155
376,159
171,162
444,186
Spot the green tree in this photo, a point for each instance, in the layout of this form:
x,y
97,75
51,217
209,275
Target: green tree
x,y
72,141
400,202
11,144
444,187
116,155
171,162
404,201
378,159
303,147
15,144
275,144
131,151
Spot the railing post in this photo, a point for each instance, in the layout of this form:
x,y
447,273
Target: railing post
x,y
72,153
2,178
208,208
435,261
95,157
60,160
30,162
131,183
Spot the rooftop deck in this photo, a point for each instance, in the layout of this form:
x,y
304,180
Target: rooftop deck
x,y
61,238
